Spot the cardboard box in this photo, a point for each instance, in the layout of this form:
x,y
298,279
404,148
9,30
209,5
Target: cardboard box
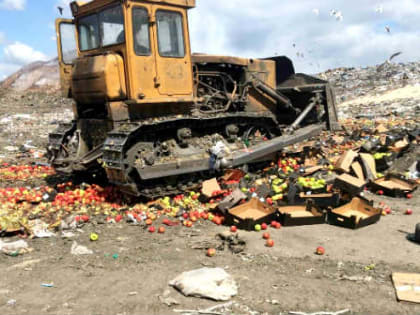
x,y
230,201
350,184
369,165
346,160
394,186
358,170
356,214
247,215
322,201
301,215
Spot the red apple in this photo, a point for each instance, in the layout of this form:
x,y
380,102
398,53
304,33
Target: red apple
x,y
269,243
161,230
388,210
266,236
278,226
320,250
211,252
380,192
233,229
152,229
409,196
185,215
85,218
273,224
118,218
264,226
408,212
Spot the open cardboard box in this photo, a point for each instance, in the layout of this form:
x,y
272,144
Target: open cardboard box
x,y
322,200
247,215
350,184
301,215
358,213
393,186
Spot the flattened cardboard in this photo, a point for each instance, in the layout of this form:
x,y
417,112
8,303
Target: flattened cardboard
x,y
210,186
369,165
232,200
400,145
350,184
247,215
394,186
356,214
301,215
344,162
407,286
381,129
357,169
311,170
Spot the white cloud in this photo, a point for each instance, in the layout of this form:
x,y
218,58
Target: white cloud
x,y
262,28
22,54
13,4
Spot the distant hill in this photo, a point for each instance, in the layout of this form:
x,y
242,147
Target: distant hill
x,y
39,75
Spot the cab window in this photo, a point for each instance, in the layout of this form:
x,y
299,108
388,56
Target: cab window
x,y
88,32
170,34
68,43
141,32
111,23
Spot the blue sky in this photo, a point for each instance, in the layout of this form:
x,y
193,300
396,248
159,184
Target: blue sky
x,y
316,34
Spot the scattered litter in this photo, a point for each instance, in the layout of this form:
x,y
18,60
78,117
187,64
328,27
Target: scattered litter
x,y
356,278
77,249
15,248
47,285
211,283
11,302
322,313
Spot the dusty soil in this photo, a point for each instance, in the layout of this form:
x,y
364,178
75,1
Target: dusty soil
x,y
287,277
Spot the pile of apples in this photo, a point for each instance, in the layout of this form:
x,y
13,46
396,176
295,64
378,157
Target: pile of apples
x,y
24,172
288,165
15,195
91,195
312,183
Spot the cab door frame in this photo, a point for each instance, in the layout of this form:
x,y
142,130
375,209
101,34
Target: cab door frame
x,y
174,75
65,68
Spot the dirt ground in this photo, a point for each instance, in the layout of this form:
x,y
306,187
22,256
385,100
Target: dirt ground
x,y
287,277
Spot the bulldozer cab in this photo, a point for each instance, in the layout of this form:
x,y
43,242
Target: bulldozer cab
x,y
150,37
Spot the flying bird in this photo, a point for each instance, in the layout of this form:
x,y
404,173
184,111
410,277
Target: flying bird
x,y
379,9
388,29
337,14
60,9
394,55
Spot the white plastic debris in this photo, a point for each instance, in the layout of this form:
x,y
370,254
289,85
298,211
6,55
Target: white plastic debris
x,y
14,248
40,229
219,149
77,249
211,283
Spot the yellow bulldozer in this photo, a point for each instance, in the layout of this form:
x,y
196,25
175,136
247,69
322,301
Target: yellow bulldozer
x,y
160,120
